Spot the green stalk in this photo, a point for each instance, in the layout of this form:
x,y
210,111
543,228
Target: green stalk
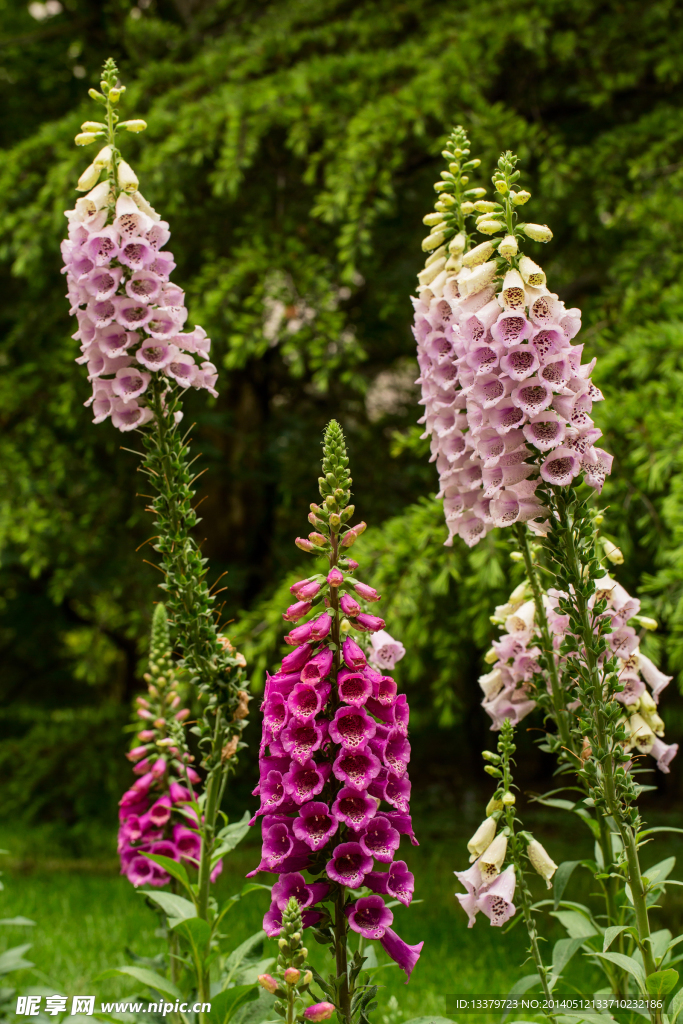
x,y
340,920
626,833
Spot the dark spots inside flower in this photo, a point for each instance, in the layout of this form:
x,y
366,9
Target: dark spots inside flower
x,y
546,430
493,390
497,905
560,467
306,703
534,395
514,297
521,361
305,782
552,373
511,417
353,808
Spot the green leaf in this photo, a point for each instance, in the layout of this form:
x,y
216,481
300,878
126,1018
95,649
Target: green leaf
x,y
562,876
142,974
627,963
661,982
227,1002
176,908
611,934
658,828
577,926
241,954
13,959
230,836
563,951
675,1006
195,931
173,868
660,871
17,921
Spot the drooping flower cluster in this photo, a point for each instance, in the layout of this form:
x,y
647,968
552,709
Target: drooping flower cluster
x,y
509,688
155,816
507,398
333,761
130,315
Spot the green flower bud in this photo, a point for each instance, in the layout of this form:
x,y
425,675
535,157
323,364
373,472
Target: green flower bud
x,y
520,198
136,125
433,241
490,227
85,138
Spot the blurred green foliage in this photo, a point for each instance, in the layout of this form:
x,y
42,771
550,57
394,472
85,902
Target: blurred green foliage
x,y
292,145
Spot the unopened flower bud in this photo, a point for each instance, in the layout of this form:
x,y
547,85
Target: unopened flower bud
x,y
467,208
292,975
136,125
646,622
516,556
612,552
431,219
541,861
303,544
85,138
268,983
433,241
335,520
97,96
93,126
500,186
308,977
520,198
586,750
478,255
304,952
508,247
282,943
128,179
486,206
490,227
115,94
538,232
457,244
509,799
88,179
103,158
482,839
491,656
319,1011
492,806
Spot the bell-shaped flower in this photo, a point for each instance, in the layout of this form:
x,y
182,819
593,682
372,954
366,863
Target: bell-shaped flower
x,y
305,701
102,247
272,793
294,884
114,340
356,768
132,314
304,780
349,865
369,917
144,286
130,220
163,324
368,623
136,253
353,808
545,431
182,369
532,396
385,652
163,264
275,713
496,900
663,753
315,825
354,688
384,687
520,362
561,467
102,282
129,415
405,955
300,740
397,882
352,728
102,311
380,839
156,355
511,329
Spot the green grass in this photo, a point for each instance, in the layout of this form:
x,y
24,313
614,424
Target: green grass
x,y
87,916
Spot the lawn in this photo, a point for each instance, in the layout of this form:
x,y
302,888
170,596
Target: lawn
x,y
87,917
